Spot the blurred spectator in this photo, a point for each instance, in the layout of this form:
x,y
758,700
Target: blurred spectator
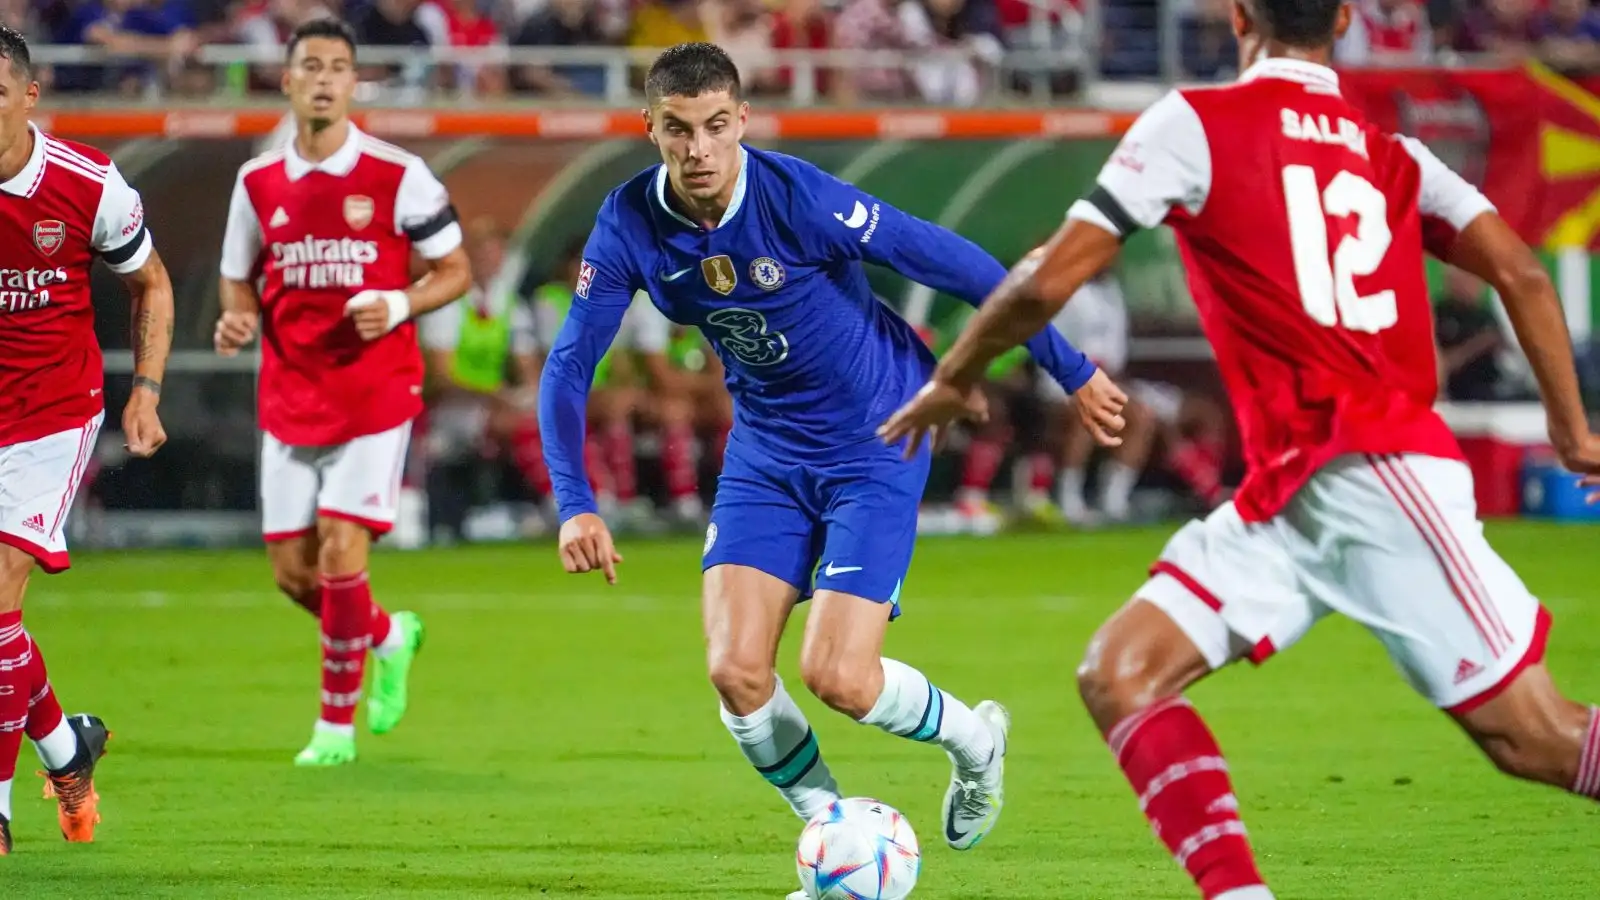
x,y
392,23
1469,338
1569,35
563,23
799,25
1209,49
871,25
970,25
744,29
1501,28
266,25
1386,33
663,23
482,359
458,23
132,28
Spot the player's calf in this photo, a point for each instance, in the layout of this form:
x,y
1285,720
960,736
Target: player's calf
x,y
842,666
1530,731
1131,680
745,611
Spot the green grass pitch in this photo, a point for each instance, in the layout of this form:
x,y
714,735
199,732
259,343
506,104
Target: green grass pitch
x,y
563,741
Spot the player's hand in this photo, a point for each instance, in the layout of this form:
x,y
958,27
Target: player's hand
x,y
234,331
1100,404
1583,457
585,545
141,426
376,313
930,414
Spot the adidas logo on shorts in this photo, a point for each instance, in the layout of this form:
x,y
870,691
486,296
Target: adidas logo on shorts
x,y
35,522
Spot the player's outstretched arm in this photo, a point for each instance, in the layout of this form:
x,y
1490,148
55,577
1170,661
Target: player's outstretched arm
x,y
1019,308
600,299
1491,250
150,288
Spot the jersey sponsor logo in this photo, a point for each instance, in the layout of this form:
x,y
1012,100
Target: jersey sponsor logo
x,y
1127,156
744,333
358,211
585,278
25,289
719,274
49,235
320,263
135,219
767,273
857,217
872,226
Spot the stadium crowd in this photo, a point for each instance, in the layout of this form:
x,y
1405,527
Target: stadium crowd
x,y
166,35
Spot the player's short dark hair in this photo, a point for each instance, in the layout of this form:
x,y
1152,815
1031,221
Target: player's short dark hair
x,y
689,70
325,27
14,46
1298,23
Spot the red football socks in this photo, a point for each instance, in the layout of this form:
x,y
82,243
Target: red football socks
x,y
1176,768
347,623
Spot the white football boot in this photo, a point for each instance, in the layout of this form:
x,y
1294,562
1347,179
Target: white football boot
x,y
972,805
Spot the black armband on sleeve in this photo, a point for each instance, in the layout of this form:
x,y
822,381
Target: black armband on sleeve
x,y
1111,208
441,220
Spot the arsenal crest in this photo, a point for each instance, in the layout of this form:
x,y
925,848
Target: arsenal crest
x,y
358,211
49,235
719,274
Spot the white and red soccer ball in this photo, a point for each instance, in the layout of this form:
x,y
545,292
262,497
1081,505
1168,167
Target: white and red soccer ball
x,y
858,849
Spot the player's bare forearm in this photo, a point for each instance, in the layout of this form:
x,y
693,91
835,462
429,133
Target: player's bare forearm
x,y
448,278
238,297
1489,249
150,288
1027,299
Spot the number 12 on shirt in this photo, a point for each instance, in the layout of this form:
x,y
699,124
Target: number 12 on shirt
x,y
1327,280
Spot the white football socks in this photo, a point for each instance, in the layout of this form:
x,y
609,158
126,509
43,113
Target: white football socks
x,y
1258,892
911,707
778,741
5,799
58,748
1117,493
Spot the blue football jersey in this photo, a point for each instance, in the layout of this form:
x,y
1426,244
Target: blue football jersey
x,y
815,362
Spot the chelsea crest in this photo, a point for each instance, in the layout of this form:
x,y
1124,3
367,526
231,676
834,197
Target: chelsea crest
x,y
767,273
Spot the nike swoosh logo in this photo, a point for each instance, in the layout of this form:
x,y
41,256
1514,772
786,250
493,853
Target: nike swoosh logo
x,y
858,216
950,832
831,570
678,274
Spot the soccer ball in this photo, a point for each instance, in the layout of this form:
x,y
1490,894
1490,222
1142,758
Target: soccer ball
x,y
858,849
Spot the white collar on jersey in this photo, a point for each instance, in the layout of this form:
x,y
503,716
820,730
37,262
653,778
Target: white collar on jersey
x,y
1307,73
340,162
733,205
27,181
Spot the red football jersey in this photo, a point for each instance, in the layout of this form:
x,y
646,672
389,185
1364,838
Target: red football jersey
x,y
317,234
1302,231
68,205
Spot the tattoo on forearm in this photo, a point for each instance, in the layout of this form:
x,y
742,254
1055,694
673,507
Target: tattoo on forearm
x,y
148,383
146,329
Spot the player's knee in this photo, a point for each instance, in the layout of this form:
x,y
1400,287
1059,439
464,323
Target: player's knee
x,y
743,680
1124,670
343,548
842,684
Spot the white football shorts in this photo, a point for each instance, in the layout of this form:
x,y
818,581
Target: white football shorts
x,y
1391,541
39,480
358,481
